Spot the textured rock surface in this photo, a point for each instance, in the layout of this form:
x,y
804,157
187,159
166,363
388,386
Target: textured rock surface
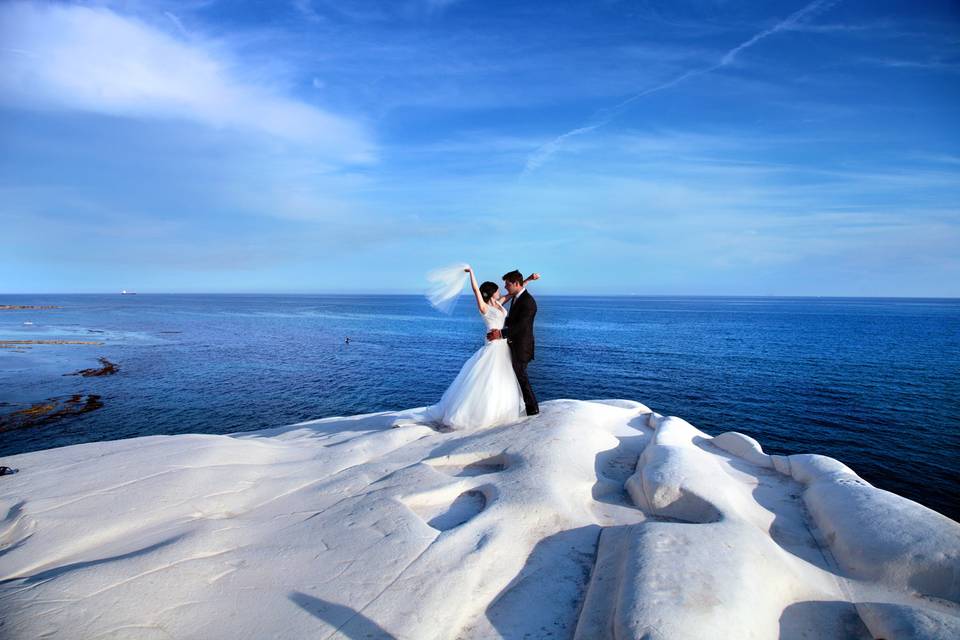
x,y
592,520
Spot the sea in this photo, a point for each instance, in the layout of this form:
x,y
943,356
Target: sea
x,y
872,382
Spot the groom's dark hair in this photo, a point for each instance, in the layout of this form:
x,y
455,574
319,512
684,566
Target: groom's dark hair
x,y
513,276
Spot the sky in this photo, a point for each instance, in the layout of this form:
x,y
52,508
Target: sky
x,y
675,147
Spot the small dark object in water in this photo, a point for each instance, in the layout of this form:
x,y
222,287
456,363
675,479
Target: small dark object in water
x,y
347,340
8,471
171,332
107,368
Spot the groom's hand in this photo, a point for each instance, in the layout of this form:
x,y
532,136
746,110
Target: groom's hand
x,y
493,334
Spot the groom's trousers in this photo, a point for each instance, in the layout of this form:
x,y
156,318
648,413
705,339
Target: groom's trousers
x,y
530,400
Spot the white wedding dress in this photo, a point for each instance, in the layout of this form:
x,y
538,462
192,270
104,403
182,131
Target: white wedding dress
x,y
485,393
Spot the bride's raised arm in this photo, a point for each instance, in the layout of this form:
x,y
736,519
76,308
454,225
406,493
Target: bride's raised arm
x,y
481,305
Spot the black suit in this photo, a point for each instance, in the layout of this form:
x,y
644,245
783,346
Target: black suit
x,y
518,331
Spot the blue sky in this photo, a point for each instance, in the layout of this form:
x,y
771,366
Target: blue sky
x,y
716,147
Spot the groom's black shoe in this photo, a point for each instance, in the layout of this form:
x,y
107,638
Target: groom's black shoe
x,y
533,413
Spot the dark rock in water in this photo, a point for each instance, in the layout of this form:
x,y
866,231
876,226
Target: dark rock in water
x,y
107,368
49,411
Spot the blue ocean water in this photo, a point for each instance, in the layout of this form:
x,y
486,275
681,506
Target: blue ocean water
x,y
873,382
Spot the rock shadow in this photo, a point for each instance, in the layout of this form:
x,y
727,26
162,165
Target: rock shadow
x,y
348,622
642,423
464,440
56,572
363,425
470,464
544,599
826,619
614,466
792,527
463,508
440,512
14,534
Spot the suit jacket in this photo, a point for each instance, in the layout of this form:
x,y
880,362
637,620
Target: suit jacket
x,y
518,327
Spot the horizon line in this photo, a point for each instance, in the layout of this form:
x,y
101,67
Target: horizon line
x,y
467,295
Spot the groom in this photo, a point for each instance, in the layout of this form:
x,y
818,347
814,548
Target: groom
x,y
518,331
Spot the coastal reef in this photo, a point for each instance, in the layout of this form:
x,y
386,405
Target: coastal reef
x,y
106,368
19,345
49,411
592,520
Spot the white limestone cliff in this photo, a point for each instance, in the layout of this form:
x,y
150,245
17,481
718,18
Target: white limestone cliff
x,y
592,520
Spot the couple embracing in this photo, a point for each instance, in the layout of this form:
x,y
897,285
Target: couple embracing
x,y
492,388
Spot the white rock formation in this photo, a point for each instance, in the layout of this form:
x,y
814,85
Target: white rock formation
x,y
592,520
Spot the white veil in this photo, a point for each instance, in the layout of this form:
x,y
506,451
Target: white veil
x,y
446,285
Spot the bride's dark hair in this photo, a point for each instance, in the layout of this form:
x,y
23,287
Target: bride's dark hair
x,y
487,289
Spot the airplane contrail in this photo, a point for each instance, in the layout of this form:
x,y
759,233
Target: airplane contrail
x,y
605,116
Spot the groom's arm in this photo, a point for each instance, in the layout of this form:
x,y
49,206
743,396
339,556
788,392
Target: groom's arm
x,y
496,334
530,278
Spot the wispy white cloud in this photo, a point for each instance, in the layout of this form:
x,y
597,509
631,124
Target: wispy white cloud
x,y
316,11
177,23
80,58
932,64
604,117
936,158
305,9
437,5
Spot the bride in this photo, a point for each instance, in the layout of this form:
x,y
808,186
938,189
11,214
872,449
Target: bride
x,y
485,393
